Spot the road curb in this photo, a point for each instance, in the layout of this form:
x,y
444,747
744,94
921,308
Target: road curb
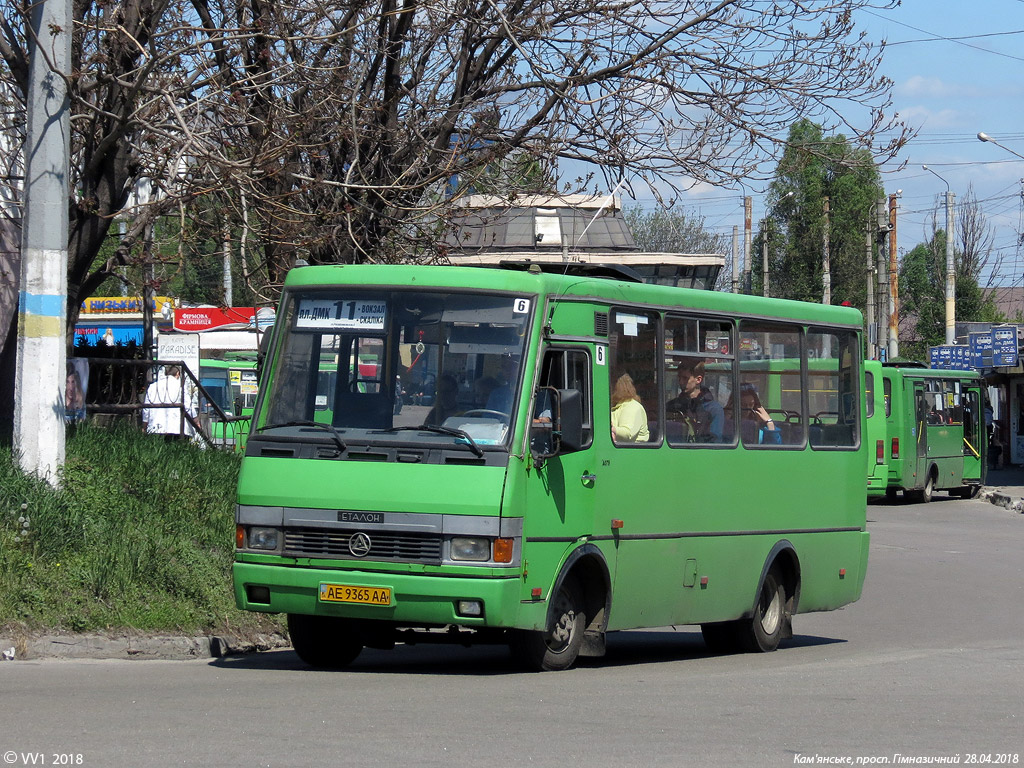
x,y
133,646
1002,499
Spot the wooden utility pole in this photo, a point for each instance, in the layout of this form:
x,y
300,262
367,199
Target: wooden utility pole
x,y
735,259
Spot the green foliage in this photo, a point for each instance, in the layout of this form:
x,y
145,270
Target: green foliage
x,y
140,534
813,168
923,295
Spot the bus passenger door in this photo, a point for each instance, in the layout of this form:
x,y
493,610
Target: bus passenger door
x,y
974,434
560,495
922,413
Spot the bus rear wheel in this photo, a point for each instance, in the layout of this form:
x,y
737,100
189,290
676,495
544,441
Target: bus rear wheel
x,y
558,647
762,632
327,642
925,494
765,629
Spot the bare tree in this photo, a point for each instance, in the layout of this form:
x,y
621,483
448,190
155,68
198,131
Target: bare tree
x,y
348,127
975,235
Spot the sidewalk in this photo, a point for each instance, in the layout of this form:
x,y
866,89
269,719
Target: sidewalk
x,y
1005,487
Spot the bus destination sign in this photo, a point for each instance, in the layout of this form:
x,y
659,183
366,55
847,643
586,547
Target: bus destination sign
x,y
342,314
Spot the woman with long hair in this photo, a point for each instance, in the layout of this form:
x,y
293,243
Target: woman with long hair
x,y
629,419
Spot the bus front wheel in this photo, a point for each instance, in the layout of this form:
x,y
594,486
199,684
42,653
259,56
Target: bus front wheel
x,y
558,647
327,642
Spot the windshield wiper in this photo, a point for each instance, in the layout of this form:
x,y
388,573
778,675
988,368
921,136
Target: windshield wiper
x,y
317,424
460,433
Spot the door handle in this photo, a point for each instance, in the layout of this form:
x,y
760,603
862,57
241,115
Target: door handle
x,y
588,478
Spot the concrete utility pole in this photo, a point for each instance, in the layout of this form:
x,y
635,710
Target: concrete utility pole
x,y
894,282
748,205
950,270
826,266
950,274
42,302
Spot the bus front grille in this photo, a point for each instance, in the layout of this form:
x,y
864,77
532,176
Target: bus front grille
x,y
372,545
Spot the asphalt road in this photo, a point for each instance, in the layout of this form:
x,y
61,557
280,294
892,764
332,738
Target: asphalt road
x,y
929,664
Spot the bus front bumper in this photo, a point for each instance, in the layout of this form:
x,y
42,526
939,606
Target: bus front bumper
x,y
413,599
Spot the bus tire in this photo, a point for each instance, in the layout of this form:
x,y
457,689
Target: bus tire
x,y
327,642
763,631
925,494
558,647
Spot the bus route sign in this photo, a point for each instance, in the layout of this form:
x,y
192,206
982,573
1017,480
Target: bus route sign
x,y
344,315
1004,345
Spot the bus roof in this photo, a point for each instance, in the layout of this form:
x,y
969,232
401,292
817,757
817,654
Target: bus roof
x,y
581,287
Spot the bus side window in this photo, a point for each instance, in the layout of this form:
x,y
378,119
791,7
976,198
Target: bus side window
x,y
565,369
770,364
634,346
833,398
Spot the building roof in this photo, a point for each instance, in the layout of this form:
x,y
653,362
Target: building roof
x,y
581,229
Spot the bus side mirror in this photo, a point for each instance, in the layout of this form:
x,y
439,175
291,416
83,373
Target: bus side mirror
x,y
558,423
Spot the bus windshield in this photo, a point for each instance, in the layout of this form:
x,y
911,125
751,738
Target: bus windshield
x,y
374,364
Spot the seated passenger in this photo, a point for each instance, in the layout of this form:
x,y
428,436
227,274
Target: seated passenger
x,y
500,397
695,406
756,425
629,419
446,404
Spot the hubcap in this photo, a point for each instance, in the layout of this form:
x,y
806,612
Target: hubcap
x,y
561,633
772,614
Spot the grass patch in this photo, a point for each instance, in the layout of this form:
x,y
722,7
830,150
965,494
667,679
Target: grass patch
x,y
140,535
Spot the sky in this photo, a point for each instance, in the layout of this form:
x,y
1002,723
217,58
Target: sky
x,y
957,68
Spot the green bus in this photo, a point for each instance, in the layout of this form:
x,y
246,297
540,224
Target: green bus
x,y
496,505
925,430
232,383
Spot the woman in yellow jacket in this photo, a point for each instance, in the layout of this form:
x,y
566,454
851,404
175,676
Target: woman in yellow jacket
x,y
629,419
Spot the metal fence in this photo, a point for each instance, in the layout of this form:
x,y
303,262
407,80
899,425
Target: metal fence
x,y
117,388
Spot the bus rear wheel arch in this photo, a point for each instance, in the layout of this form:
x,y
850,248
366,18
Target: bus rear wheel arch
x,y
771,619
925,493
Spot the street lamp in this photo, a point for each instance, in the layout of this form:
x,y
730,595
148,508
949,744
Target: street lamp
x,y
950,274
990,140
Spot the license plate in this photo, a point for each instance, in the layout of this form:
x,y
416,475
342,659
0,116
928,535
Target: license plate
x,y
345,593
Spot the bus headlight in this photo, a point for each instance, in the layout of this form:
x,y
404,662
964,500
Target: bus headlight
x,y
264,538
475,548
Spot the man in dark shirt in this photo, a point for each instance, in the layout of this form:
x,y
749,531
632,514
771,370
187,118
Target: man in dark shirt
x,y
695,406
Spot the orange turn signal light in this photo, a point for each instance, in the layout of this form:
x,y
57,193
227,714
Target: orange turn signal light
x,y
239,536
503,550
